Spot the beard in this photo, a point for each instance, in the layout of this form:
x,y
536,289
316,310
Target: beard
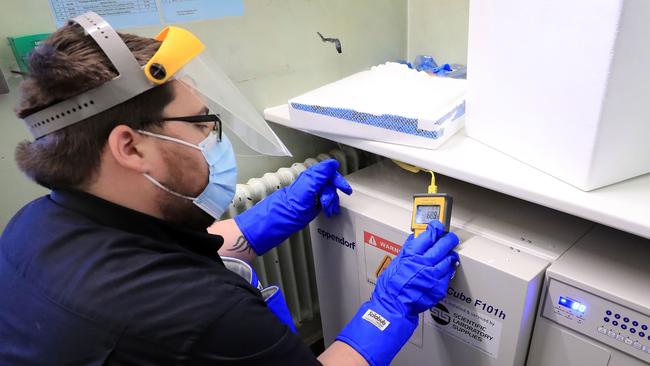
x,y
180,210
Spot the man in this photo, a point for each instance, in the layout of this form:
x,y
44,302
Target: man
x,y
114,267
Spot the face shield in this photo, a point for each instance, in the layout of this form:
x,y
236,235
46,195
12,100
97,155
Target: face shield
x,y
179,58
203,77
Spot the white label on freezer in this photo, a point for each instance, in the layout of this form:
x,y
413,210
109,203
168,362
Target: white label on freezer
x,y
465,323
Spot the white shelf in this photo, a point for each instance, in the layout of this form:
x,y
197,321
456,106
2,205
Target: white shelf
x,y
625,206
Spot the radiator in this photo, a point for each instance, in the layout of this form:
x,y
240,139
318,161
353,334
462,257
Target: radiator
x,y
291,264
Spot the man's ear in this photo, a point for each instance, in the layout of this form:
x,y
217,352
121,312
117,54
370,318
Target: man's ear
x,y
129,148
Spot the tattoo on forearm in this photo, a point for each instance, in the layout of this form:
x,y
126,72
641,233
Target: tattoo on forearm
x,y
241,245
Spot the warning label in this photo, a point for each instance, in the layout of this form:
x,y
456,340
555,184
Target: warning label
x,y
466,324
378,252
381,243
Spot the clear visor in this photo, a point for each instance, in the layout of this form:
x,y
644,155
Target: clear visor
x,y
204,77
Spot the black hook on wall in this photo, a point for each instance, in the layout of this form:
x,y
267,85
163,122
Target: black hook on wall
x,y
4,88
336,42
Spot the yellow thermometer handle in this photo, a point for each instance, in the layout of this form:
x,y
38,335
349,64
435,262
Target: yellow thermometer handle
x,y
417,232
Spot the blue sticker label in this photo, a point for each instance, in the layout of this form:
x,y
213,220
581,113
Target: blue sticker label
x,y
119,13
177,11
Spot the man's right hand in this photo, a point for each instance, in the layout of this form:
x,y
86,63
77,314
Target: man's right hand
x,y
418,278
415,281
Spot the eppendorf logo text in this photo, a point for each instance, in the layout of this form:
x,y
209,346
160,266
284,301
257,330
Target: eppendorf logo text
x,y
338,239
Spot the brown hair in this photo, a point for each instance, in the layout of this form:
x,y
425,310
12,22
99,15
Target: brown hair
x,y
67,64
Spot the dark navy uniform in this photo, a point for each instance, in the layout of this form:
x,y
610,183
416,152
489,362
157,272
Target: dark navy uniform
x,y
84,281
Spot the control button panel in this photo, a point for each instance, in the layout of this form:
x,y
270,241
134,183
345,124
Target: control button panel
x,y
612,324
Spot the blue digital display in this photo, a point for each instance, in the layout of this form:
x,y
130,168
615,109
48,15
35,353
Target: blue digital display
x,y
571,304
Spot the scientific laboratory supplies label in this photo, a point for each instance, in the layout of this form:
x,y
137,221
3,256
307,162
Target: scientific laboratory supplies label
x,y
465,323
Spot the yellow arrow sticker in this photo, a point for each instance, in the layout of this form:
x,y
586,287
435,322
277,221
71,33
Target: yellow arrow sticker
x,y
382,266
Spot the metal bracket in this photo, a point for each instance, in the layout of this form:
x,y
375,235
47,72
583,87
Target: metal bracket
x,y
4,88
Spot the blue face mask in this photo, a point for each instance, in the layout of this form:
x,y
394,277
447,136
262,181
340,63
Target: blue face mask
x,y
220,157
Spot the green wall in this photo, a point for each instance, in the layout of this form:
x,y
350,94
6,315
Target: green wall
x,y
438,28
272,53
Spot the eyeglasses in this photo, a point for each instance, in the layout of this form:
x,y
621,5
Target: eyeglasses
x,y
200,119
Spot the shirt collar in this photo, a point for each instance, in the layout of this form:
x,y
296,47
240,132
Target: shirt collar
x,y
122,218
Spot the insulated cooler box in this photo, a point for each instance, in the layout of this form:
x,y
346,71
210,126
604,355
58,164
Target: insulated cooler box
x,y
487,316
389,103
563,86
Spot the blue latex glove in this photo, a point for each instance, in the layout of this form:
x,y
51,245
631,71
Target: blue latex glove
x,y
274,219
442,70
272,295
276,302
414,281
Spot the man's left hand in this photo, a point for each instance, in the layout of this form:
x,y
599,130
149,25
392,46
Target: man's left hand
x,y
274,219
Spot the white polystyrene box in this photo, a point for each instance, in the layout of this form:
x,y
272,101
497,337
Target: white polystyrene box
x,y
563,85
389,103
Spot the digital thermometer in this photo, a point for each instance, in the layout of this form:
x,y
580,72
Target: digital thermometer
x,y
429,207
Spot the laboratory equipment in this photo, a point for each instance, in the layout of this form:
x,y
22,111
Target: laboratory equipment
x,y
596,304
429,207
562,86
506,246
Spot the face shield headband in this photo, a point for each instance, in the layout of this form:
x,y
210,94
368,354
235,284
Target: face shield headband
x,y
179,54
